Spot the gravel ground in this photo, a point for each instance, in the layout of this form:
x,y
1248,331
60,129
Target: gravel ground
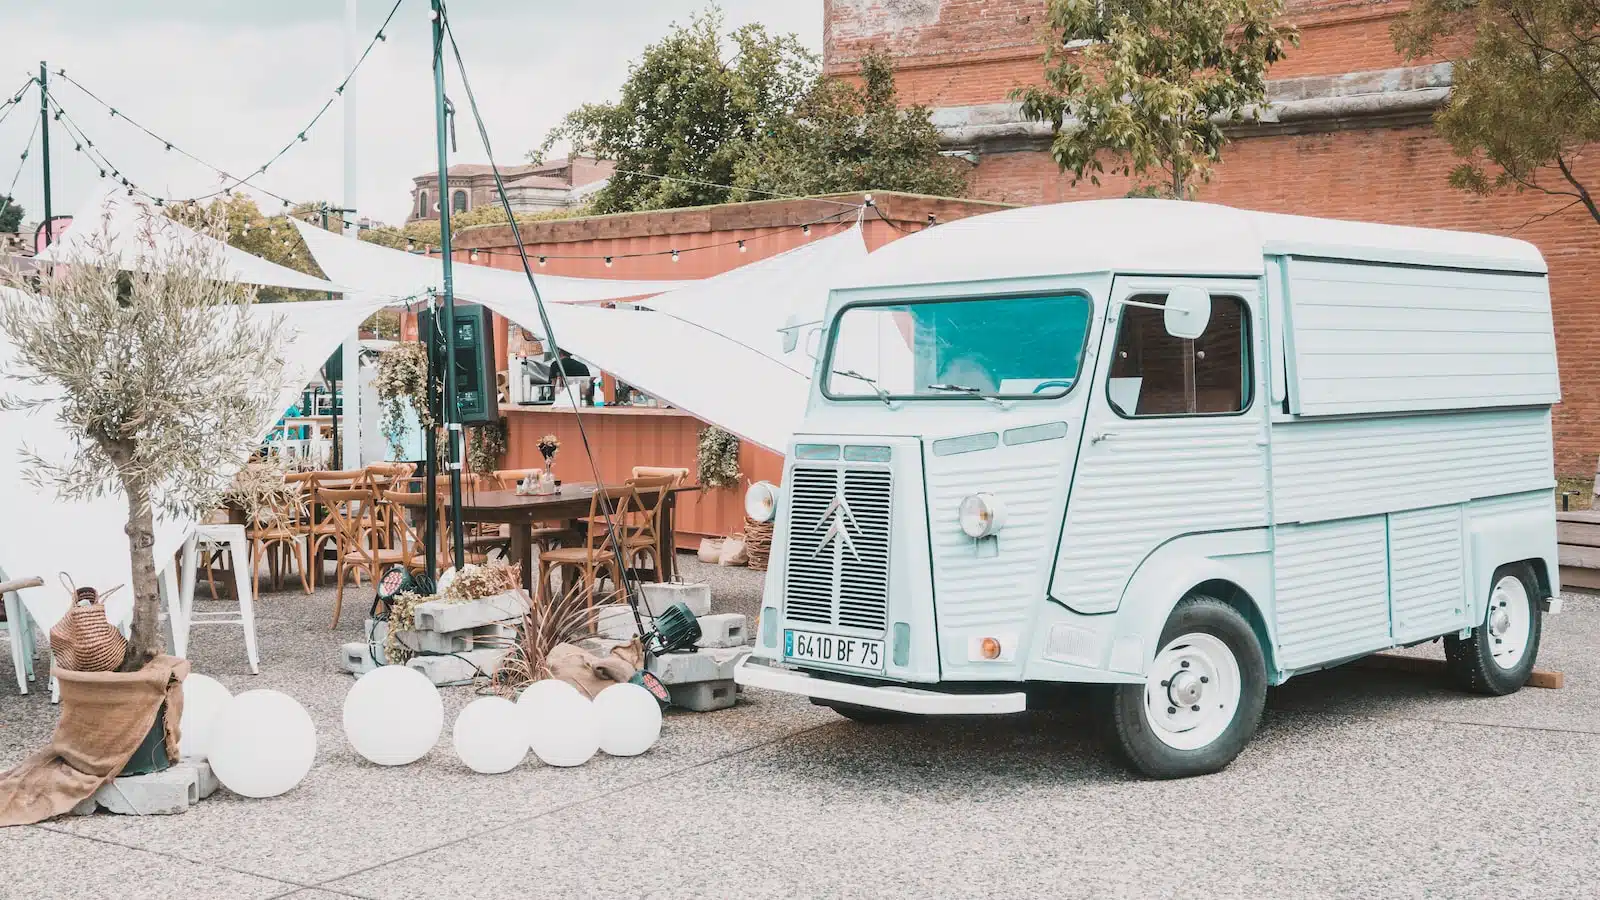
x,y
1361,783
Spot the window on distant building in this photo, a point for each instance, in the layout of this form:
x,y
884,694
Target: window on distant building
x,y
458,201
422,205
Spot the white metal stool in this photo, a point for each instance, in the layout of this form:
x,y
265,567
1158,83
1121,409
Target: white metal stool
x,y
20,630
233,538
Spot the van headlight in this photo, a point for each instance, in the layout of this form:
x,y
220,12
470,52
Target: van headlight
x,y
982,515
761,501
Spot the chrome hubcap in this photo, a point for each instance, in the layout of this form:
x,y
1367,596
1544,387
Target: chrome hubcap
x,y
1192,692
1510,622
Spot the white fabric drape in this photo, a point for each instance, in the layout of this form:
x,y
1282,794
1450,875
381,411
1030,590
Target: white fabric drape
x,y
383,271
142,235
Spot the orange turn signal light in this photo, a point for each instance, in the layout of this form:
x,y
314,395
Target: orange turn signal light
x,y
989,648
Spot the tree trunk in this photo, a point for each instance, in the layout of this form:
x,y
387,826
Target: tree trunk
x,y
1177,182
144,643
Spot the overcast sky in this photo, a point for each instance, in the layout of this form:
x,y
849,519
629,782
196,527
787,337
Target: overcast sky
x,y
231,81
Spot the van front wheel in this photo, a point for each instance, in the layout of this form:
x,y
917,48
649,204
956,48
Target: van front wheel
x,y
1498,658
1202,698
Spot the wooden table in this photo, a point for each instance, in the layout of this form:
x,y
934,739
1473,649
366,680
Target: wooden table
x,y
570,503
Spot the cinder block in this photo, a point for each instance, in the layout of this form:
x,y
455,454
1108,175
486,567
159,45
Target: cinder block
x,y
723,630
657,597
460,669
456,641
86,808
157,794
356,658
616,621
437,615
205,780
697,666
704,696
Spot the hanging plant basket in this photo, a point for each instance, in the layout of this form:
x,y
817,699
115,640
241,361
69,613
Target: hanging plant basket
x,y
718,458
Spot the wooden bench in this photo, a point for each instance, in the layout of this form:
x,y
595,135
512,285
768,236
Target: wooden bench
x,y
1578,546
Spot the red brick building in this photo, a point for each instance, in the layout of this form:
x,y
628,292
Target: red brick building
x,y
1349,136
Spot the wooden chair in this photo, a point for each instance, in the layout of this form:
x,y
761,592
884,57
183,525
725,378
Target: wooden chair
x,y
642,526
274,528
678,475
595,558
355,512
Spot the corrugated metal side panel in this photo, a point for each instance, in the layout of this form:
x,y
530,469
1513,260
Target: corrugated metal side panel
x,y
1426,579
1332,469
1374,338
624,440
1332,590
1181,476
1003,590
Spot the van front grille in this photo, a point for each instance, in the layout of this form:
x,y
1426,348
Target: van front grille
x,y
837,571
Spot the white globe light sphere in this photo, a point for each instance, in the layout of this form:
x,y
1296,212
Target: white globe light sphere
x,y
393,715
203,700
562,727
262,744
491,736
629,718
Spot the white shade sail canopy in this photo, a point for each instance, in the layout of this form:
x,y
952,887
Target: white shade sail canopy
x,y
386,272
754,304
142,235
43,534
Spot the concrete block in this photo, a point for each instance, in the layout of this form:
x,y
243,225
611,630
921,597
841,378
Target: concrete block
x,y
205,779
86,808
157,794
616,621
457,641
657,597
355,658
460,669
723,630
697,666
704,696
437,615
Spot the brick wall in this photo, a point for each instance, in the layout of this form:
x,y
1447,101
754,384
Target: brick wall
x,y
963,52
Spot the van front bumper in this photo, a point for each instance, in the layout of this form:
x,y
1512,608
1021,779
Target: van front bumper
x,y
753,672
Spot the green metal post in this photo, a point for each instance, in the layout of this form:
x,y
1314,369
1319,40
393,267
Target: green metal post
x,y
452,413
44,131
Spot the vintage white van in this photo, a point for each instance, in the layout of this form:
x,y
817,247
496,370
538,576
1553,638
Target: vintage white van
x,y
1175,449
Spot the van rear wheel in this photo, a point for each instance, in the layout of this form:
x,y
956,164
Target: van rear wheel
x,y
1499,656
1202,698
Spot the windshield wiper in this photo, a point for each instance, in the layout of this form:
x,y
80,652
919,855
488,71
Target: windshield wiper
x,y
970,391
870,382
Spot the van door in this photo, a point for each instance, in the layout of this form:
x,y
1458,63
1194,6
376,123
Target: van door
x,y
1174,439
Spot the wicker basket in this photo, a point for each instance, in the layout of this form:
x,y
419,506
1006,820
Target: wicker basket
x,y
84,640
757,543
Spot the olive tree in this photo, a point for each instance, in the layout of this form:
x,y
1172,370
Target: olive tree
x,y
155,366
1151,84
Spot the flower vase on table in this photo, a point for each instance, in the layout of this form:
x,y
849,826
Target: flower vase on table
x,y
549,445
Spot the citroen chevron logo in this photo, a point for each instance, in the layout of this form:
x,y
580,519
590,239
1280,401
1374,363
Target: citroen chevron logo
x,y
839,522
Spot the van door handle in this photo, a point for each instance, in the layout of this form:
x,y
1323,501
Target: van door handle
x,y
1104,435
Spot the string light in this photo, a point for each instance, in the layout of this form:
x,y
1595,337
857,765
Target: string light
x,y
541,260
675,254
805,230
743,248
608,262
473,256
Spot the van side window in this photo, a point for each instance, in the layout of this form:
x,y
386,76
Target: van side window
x,y
1156,374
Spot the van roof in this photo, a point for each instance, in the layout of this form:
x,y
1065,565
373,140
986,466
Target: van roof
x,y
1166,237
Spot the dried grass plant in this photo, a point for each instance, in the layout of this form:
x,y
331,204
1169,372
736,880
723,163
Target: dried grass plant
x,y
565,619
147,354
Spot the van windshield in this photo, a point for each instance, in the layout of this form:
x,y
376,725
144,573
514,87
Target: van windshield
x,y
992,348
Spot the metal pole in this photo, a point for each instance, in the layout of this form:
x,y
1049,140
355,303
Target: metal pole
x,y
450,409
353,453
430,455
44,132
333,385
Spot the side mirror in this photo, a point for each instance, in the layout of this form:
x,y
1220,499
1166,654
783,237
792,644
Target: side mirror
x,y
1188,312
814,342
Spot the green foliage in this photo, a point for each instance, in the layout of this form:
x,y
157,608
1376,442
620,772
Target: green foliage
x,y
1526,95
690,110
425,232
846,137
1153,83
402,381
717,459
270,237
10,214
487,444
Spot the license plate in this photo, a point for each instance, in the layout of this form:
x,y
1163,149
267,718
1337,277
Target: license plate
x,y
833,649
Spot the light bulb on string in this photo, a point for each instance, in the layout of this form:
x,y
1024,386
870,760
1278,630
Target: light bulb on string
x,y
805,230
411,246
674,255
743,248
608,262
473,256
541,261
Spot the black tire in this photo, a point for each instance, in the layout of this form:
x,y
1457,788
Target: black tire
x,y
866,715
1129,724
1471,661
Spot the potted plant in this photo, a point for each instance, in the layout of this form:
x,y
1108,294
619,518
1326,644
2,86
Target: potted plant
x,y
147,353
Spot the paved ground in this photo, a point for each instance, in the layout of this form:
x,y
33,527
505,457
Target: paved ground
x,y
1360,784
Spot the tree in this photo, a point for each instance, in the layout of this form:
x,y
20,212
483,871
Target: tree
x,y
846,137
10,214
1525,101
238,221
689,112
1151,83
161,375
